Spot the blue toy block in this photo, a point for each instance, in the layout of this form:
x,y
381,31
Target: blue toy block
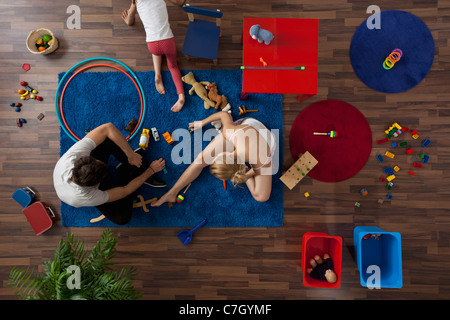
x,y
394,144
380,158
383,251
389,196
426,142
425,159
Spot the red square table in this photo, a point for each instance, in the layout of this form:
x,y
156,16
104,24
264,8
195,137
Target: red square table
x,y
295,44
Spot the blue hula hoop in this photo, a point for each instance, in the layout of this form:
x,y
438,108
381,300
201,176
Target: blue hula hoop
x,y
144,108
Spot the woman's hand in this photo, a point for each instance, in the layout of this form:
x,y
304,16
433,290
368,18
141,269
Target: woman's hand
x,y
195,125
158,165
135,159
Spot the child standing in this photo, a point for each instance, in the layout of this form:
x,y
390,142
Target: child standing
x,y
160,41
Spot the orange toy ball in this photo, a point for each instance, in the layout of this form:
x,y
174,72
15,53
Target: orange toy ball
x,y
21,91
41,49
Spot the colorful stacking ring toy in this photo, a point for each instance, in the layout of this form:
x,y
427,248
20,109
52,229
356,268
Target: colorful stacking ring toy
x,y
133,78
395,55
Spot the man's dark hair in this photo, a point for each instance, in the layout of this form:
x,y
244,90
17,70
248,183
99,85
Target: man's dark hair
x,y
88,171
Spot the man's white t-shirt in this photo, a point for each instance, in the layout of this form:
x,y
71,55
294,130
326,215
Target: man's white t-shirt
x,y
70,192
153,14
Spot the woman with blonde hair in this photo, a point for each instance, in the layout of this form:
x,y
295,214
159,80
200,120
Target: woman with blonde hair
x,y
243,141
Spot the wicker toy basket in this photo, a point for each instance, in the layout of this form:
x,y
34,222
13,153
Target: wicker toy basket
x,y
35,35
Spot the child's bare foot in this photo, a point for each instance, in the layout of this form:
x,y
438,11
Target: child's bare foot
x,y
128,15
159,84
179,104
168,197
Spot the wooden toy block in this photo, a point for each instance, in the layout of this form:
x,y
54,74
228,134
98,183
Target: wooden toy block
x,y
299,170
390,155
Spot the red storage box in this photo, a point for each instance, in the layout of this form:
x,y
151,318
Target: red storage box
x,y
317,243
40,216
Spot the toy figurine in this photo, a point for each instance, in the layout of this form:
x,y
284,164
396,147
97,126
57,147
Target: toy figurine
x,y
322,269
261,35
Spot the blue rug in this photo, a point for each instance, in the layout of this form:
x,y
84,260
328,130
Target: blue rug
x,y
370,47
94,98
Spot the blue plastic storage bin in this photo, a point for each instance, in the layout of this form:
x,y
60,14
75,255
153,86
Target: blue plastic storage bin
x,y
382,251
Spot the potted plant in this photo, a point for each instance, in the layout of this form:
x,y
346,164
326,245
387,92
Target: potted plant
x,y
75,275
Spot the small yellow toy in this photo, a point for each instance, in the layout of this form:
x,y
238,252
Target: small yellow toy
x,y
168,137
389,154
390,178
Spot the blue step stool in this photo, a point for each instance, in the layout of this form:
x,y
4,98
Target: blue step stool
x,y
24,196
383,251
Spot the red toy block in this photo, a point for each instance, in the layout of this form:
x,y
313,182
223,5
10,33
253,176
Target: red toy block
x,y
382,179
411,173
405,129
417,165
409,151
382,141
413,132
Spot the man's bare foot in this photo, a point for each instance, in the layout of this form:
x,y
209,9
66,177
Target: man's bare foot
x,y
159,84
179,104
128,15
168,197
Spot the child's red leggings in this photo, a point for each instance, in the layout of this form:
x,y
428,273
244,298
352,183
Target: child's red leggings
x,y
168,48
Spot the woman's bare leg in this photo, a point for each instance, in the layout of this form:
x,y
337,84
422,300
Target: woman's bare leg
x,y
218,144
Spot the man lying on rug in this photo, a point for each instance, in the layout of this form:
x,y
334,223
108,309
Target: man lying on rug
x,y
160,41
81,175
239,140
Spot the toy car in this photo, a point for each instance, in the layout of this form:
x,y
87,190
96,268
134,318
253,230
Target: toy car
x,y
155,134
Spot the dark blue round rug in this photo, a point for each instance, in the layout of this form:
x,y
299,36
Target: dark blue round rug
x,y
370,47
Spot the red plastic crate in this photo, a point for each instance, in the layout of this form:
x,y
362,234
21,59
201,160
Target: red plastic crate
x,y
320,243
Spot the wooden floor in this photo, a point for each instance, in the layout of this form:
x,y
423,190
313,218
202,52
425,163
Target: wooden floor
x,y
232,263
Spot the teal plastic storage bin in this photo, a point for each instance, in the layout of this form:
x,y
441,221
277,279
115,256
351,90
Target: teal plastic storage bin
x,y
378,256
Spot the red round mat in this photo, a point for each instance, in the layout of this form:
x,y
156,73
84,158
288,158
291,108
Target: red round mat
x,y
339,158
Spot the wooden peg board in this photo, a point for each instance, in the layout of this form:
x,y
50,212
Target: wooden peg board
x,y
299,170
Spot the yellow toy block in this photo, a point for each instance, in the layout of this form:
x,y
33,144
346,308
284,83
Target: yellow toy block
x,y
390,155
397,126
298,170
396,168
415,136
306,194
390,178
